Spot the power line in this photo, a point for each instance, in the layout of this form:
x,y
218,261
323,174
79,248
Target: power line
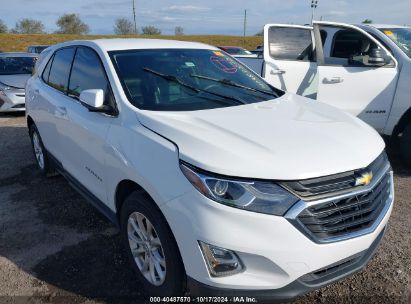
x,y
134,15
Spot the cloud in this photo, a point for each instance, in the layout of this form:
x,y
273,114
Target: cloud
x,y
337,13
186,9
168,19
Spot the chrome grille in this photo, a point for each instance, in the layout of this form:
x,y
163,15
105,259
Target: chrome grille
x,y
339,215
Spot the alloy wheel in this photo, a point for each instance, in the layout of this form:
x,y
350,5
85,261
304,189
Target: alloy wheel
x,y
38,150
146,248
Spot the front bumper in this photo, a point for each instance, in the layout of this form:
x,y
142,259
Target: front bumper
x,y
12,100
302,285
276,255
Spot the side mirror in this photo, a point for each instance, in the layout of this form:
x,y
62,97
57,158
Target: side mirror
x,y
93,99
378,57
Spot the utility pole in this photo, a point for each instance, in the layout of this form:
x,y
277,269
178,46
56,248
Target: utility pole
x,y
245,25
314,4
134,15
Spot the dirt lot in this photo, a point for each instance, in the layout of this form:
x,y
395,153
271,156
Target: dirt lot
x,y
54,247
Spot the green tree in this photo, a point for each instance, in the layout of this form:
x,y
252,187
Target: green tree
x,y
367,21
179,31
123,26
260,33
71,24
28,26
3,27
150,30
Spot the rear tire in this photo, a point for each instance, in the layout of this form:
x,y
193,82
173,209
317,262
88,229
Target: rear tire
x,y
151,248
405,144
40,153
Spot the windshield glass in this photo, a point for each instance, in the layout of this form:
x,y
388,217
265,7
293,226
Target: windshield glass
x,y
186,80
401,37
16,65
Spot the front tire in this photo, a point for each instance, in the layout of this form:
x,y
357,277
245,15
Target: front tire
x,y
151,247
405,144
40,152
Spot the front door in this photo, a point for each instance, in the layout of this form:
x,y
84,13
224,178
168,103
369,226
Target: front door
x,y
349,79
86,146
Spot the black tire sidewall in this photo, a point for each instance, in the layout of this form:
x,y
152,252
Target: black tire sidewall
x,y
175,281
405,144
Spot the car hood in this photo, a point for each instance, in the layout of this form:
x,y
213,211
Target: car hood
x,y
289,138
17,81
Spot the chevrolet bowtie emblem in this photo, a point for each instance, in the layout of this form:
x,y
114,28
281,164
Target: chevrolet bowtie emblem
x,y
364,180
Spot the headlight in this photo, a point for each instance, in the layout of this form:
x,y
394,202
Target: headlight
x,y
258,196
4,87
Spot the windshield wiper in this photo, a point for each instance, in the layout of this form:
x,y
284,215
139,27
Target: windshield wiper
x,y
233,84
176,80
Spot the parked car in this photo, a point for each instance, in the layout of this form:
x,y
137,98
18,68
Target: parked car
x,y
37,48
220,183
259,51
364,70
15,70
236,51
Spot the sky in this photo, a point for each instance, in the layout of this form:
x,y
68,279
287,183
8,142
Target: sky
x,y
204,17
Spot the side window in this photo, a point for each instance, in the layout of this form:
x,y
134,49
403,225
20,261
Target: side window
x,y
349,43
46,71
353,48
290,44
60,69
87,73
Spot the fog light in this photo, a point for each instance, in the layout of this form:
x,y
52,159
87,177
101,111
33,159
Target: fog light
x,y
221,262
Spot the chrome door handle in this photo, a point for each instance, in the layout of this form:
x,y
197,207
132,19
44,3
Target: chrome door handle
x,y
331,80
277,72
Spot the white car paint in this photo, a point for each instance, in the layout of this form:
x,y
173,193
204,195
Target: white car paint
x,y
288,138
379,96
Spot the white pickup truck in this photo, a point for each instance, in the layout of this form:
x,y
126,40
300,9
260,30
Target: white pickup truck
x,y
364,70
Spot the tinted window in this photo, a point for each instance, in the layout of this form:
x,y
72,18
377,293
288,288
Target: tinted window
x,y
46,71
290,43
17,65
87,73
60,69
139,71
352,48
348,43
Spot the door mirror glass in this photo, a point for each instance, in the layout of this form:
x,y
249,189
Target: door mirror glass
x,y
92,98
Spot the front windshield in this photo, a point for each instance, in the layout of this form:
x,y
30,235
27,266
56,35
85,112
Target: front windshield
x,y
16,65
401,37
187,79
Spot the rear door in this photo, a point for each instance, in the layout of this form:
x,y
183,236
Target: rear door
x,y
51,111
348,80
290,58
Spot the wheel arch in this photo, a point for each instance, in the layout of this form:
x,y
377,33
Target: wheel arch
x,y
30,121
404,120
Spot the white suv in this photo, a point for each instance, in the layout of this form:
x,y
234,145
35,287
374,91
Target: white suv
x,y
220,183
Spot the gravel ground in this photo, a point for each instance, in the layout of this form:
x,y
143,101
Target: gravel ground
x,y
55,248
